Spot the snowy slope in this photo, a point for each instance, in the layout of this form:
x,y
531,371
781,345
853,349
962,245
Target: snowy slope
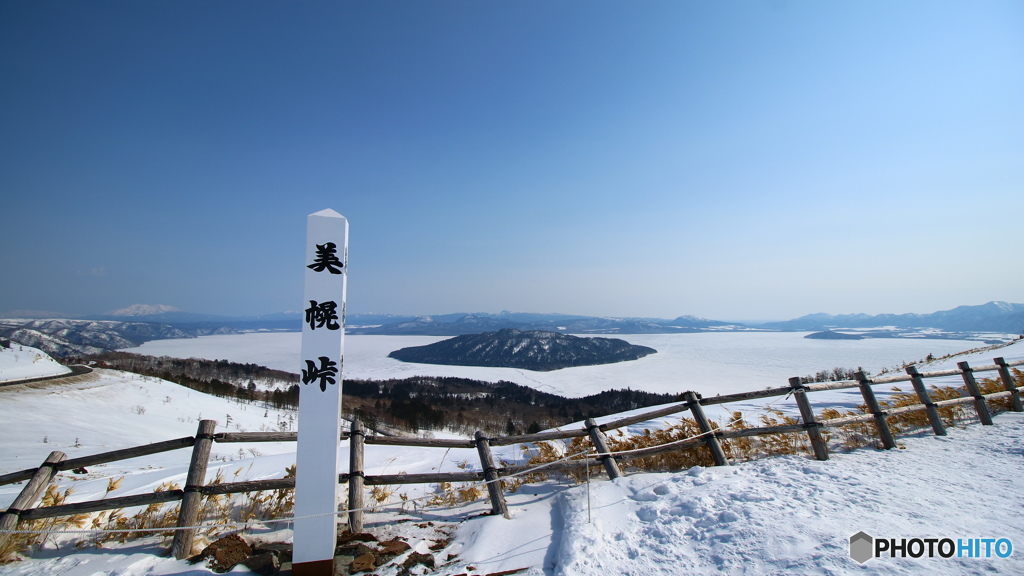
x,y
773,516
19,362
781,515
109,410
787,515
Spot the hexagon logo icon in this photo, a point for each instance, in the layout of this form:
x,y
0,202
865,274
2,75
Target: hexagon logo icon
x,y
862,547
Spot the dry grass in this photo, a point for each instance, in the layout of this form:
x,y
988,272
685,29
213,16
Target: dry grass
x,y
779,444
26,543
675,460
864,434
848,437
450,494
115,525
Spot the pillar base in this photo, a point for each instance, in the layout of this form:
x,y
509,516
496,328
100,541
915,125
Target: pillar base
x,y
315,568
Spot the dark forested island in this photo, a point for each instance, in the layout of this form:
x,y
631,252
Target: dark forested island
x,y
830,335
529,350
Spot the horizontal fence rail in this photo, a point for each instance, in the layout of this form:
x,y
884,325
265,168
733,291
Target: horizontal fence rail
x,y
23,506
105,458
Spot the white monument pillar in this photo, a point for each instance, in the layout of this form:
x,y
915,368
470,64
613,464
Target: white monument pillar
x,y
323,345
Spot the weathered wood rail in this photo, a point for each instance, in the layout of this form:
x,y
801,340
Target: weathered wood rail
x,y
195,487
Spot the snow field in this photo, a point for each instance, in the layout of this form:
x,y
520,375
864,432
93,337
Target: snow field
x,y
709,363
795,515
19,362
110,410
777,515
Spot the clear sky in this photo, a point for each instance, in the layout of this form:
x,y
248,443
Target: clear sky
x,y
733,160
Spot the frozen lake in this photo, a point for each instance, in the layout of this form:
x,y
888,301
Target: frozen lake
x,y
710,363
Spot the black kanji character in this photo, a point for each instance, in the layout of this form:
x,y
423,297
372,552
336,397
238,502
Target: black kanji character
x,y
327,259
325,373
324,313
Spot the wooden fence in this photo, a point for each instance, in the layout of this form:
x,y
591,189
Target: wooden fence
x,y
195,488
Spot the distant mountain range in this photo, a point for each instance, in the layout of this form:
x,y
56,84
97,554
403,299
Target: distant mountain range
x,y
1000,317
458,324
992,317
192,322
133,325
59,337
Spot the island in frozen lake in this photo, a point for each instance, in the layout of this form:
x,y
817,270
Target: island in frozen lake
x,y
529,350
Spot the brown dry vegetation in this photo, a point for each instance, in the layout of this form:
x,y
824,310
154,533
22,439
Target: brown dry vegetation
x,y
117,526
741,449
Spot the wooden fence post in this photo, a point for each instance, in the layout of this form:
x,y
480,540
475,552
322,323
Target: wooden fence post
x,y
922,394
980,406
1008,383
191,501
30,493
818,444
692,400
869,398
483,447
601,443
356,476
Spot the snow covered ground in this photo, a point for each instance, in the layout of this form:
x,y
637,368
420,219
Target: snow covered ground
x,y
787,515
109,410
19,362
780,515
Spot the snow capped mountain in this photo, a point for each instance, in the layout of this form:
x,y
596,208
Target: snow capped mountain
x,y
143,310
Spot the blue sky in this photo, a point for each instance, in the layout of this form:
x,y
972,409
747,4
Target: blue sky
x,y
732,160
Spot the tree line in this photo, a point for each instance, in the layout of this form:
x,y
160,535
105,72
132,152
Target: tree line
x,y
418,403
